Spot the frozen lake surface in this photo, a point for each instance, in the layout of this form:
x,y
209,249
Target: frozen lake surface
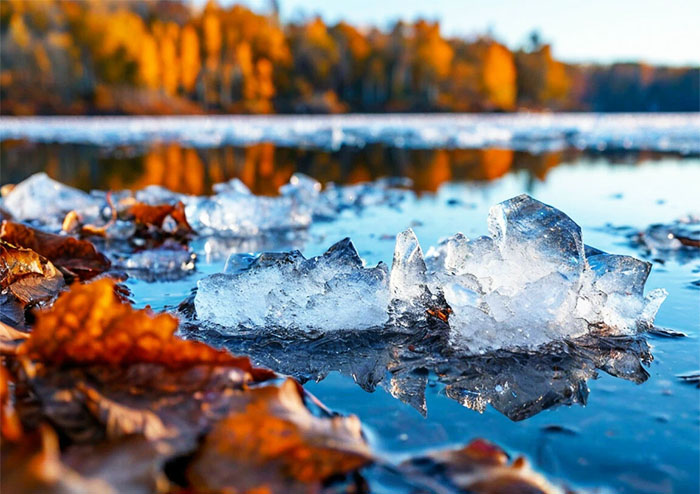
x,y
614,175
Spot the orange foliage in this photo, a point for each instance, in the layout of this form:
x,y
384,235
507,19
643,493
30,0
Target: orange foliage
x,y
77,258
274,444
90,325
499,76
155,215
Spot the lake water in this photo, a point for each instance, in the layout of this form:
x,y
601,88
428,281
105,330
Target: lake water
x,y
628,437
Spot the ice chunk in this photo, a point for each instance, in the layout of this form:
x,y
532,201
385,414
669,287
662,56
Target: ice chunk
x,y
527,284
44,200
530,282
156,194
681,234
234,185
170,261
237,214
285,290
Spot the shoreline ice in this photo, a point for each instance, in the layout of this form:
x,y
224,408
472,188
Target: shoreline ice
x,y
231,211
663,132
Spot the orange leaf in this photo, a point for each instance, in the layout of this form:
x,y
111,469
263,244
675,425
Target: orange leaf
x,y
273,442
155,215
480,467
90,325
75,257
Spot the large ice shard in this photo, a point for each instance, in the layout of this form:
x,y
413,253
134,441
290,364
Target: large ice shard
x,y
532,281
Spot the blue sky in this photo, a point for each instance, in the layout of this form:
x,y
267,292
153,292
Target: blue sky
x,y
657,31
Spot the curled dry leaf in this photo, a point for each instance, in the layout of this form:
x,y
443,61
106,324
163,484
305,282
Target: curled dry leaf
x,y
91,325
272,443
155,215
27,275
76,258
103,369
26,279
480,468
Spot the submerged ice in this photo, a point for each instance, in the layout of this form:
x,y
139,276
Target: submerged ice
x,y
530,281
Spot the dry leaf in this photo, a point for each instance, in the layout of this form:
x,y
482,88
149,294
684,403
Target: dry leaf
x,y
155,215
272,443
10,426
90,324
480,468
76,258
26,279
103,369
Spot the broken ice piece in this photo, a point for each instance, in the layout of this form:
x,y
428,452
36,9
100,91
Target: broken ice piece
x,y
287,291
41,199
681,234
233,211
530,282
168,262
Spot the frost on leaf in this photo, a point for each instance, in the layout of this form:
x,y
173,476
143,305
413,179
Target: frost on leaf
x,y
75,258
273,442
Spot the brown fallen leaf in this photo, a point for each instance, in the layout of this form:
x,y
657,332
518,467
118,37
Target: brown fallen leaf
x,y
90,324
155,215
272,443
26,279
103,369
480,468
10,426
33,465
75,258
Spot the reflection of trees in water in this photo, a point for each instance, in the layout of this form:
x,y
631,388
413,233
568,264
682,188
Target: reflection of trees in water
x,y
265,167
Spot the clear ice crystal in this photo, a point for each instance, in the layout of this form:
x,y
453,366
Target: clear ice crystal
x,y
530,282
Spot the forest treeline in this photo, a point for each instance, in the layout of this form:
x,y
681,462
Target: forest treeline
x,y
160,57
